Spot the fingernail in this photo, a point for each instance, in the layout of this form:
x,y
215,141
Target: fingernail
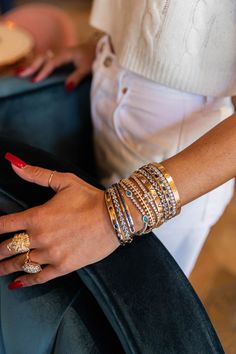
x,y
15,285
19,70
15,160
70,86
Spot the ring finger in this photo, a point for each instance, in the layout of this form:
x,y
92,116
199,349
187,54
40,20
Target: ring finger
x,y
15,264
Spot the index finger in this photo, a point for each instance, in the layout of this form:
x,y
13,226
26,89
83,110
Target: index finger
x,y
33,67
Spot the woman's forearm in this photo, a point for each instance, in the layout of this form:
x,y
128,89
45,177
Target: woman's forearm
x,y
207,163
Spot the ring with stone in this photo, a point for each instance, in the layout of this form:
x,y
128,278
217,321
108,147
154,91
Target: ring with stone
x,y
50,54
20,243
29,266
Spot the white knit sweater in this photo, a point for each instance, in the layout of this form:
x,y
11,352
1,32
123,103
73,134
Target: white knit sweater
x,y
189,45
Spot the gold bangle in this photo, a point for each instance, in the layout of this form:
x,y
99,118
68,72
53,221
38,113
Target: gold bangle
x,y
150,175
148,216
113,217
125,208
172,185
129,194
152,191
152,196
147,195
127,235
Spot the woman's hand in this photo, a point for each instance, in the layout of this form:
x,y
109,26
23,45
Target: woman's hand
x,y
68,232
43,65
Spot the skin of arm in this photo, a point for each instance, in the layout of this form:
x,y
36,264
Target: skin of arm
x,y
78,209
207,163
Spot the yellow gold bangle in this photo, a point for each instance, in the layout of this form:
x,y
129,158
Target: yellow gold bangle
x,y
150,175
113,217
172,185
151,217
153,198
125,208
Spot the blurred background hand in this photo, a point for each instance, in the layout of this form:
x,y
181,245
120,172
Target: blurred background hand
x,y
43,65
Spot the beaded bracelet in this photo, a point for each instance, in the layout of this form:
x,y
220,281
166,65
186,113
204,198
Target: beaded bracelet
x,y
170,186
146,202
153,193
126,235
147,214
145,218
125,209
159,191
167,184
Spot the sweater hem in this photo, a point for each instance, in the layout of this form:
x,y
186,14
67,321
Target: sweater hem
x,y
200,80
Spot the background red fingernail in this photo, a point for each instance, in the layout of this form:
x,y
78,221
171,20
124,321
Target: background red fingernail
x,y
70,86
16,161
19,70
15,285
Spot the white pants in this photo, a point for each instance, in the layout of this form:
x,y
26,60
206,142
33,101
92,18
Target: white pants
x,y
137,121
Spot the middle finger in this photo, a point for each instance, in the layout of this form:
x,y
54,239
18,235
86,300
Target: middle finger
x,y
6,253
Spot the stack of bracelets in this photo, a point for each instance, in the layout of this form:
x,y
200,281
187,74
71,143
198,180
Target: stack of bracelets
x,y
152,191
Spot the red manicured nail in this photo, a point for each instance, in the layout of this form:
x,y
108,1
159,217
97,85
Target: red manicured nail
x,y
15,160
70,86
15,285
19,70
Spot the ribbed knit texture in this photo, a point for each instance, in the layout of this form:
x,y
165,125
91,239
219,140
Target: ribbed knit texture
x,y
189,45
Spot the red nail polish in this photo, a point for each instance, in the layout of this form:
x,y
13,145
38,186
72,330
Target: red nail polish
x,y
15,160
19,70
70,86
15,285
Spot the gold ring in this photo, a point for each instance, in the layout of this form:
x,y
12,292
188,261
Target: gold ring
x,y
20,243
50,54
29,266
50,178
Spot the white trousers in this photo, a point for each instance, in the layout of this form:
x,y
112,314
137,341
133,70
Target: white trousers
x,y
137,121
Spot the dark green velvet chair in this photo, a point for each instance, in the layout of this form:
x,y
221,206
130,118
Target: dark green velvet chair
x,y
46,116
135,301
6,5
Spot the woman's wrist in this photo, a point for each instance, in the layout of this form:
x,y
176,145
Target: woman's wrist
x,y
93,39
142,202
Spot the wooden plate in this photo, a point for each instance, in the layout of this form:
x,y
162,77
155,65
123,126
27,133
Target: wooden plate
x,y
15,43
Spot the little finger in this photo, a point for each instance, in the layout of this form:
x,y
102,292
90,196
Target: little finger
x,y
47,274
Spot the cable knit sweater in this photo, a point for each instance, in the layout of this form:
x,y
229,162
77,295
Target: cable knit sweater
x,y
189,45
